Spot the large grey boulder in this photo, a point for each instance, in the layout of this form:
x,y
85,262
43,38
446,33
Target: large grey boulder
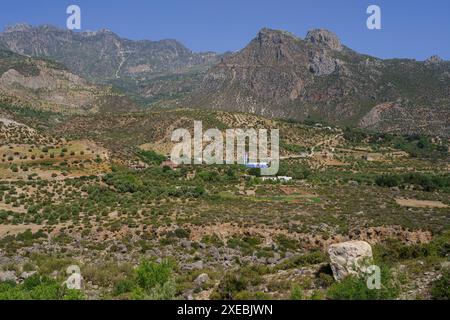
x,y
349,258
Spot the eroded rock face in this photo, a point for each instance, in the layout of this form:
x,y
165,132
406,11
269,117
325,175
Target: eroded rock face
x,y
349,258
324,37
401,117
323,64
147,58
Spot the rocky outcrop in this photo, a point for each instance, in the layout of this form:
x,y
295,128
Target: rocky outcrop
x,y
433,60
323,64
325,38
375,115
349,258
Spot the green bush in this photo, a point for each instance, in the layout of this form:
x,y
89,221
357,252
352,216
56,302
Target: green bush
x,y
355,135
149,274
248,295
296,293
38,288
355,288
392,251
234,283
151,157
230,285
182,233
286,243
440,289
294,170
246,244
428,182
256,172
209,176
165,291
124,182
151,280
124,286
388,181
311,258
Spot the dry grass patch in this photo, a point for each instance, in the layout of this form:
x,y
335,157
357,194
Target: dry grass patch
x,y
413,203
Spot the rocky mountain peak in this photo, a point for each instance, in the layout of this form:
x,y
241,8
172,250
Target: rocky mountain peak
x,y
18,27
282,76
271,36
434,60
104,30
324,37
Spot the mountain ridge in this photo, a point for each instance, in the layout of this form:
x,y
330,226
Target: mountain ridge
x,y
278,75
11,38
104,57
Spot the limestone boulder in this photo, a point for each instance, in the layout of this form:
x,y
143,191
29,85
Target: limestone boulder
x,y
349,258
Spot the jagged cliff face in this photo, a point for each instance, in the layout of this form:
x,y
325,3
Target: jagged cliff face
x,y
280,75
275,69
102,55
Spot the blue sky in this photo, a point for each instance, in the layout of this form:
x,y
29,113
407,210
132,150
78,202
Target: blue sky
x,y
411,29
